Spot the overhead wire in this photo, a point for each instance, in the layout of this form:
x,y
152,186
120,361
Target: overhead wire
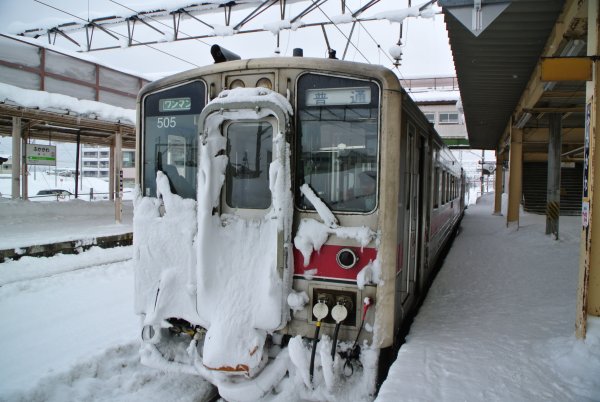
x,y
342,32
120,34
159,22
379,49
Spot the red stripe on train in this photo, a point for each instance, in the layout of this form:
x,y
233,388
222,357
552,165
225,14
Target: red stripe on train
x,y
324,261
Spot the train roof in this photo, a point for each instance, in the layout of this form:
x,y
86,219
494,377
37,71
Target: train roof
x,y
382,74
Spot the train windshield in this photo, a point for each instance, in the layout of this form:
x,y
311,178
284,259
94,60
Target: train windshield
x,y
337,142
170,133
250,152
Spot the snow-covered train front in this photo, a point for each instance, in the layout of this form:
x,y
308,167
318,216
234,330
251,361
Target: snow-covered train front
x,y
289,215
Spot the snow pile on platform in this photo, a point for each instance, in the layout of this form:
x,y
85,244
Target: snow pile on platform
x,y
498,322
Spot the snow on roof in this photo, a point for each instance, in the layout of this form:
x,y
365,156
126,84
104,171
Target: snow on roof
x,y
435,96
45,100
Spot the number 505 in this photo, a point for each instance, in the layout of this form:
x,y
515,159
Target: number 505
x,y
166,122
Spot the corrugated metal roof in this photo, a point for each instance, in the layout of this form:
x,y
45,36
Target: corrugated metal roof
x,y
493,68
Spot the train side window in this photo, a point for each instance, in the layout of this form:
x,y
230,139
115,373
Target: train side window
x,y
250,152
436,188
443,189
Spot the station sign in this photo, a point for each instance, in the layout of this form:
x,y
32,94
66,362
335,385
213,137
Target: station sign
x,y
566,69
585,206
40,154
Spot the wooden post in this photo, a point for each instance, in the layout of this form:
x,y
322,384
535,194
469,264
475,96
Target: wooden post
x,y
515,177
16,158
111,169
588,294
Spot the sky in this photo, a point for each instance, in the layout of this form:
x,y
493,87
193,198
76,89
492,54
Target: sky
x,y
425,43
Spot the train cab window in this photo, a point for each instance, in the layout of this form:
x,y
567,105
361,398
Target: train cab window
x,y
338,142
169,137
250,152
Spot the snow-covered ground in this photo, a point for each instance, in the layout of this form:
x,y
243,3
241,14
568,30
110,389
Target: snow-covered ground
x,y
26,223
497,325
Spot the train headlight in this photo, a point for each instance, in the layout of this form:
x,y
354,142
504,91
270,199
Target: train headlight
x,y
148,332
346,258
264,83
237,84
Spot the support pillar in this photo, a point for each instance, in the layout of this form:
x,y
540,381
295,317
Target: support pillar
x,y
515,178
77,166
118,172
111,175
588,294
498,183
16,158
25,175
553,183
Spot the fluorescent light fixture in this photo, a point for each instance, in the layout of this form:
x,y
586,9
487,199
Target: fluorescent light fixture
x,y
523,120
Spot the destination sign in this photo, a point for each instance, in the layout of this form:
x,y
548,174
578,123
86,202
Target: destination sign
x,y
174,104
338,96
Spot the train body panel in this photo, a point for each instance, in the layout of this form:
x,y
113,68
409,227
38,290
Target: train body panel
x,y
298,186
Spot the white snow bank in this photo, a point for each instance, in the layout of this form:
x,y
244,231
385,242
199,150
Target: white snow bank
x,y
434,96
498,322
35,267
45,100
26,223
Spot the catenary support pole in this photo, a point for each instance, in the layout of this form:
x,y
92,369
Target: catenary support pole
x,y
77,164
16,158
515,177
553,182
24,176
118,172
588,294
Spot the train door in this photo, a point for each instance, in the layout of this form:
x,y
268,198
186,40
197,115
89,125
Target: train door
x,y
244,225
414,197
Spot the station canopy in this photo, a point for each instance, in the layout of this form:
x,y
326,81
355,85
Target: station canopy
x,y
61,96
498,68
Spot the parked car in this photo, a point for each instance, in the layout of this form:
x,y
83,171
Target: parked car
x,y
53,194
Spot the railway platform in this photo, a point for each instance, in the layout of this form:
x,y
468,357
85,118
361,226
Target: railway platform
x,y
46,228
498,322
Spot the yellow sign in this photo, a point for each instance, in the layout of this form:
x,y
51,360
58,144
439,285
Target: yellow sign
x,y
566,69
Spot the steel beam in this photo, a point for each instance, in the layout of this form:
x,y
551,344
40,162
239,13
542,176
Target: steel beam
x,y
499,183
553,182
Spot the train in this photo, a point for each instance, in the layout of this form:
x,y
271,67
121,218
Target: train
x,y
289,218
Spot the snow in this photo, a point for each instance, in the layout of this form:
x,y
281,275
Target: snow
x,y
45,100
245,299
427,95
26,223
496,325
499,325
